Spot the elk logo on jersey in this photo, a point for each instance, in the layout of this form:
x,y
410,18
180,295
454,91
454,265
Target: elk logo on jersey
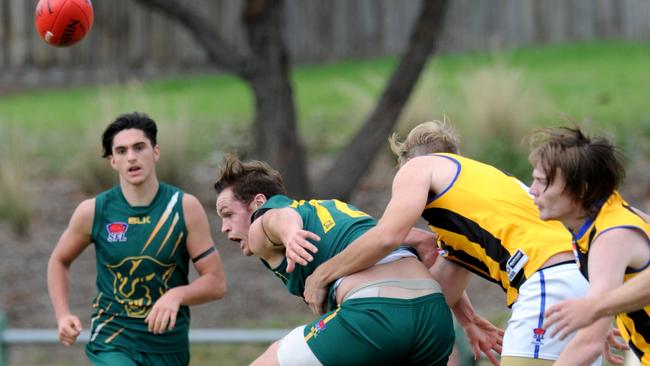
x,y
138,282
116,231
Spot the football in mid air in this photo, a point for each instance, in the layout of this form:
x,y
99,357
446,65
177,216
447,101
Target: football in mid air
x,y
62,23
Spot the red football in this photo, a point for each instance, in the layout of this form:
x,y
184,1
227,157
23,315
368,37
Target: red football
x,y
62,23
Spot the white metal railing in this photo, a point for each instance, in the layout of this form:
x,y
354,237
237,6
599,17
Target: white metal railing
x,y
226,335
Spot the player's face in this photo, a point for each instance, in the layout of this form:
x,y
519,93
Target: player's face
x,y
235,218
133,156
552,201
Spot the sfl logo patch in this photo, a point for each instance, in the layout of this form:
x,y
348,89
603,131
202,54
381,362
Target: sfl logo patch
x,y
116,231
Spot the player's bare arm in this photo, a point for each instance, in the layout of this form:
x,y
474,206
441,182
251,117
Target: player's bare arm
x,y
71,244
572,315
285,226
211,283
410,190
482,335
606,270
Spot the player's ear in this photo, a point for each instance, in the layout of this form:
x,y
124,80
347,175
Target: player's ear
x,y
111,161
259,200
156,152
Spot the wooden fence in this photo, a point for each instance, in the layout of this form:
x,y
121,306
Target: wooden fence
x,y
127,39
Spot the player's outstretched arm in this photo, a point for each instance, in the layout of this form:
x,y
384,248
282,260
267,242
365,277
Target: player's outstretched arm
x,y
211,283
284,226
72,242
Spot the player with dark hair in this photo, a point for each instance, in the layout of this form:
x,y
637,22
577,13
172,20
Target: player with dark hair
x,y
145,233
575,181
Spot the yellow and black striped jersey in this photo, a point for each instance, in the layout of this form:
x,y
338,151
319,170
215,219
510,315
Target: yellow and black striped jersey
x,y
487,222
615,213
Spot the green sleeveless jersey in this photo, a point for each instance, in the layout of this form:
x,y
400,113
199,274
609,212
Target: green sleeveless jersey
x,y
336,223
140,254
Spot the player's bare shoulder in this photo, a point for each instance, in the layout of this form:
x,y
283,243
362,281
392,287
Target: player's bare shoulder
x,y
439,170
83,217
192,208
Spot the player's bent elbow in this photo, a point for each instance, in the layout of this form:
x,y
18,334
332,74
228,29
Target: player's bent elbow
x,y
220,290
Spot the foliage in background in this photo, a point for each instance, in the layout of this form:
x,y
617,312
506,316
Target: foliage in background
x,y
493,103
502,108
16,171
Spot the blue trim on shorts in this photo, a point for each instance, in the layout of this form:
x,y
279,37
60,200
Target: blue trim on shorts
x,y
542,284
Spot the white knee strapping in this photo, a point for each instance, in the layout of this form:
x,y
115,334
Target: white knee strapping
x,y
294,350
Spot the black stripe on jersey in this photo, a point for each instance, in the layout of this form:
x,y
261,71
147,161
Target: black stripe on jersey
x,y
453,222
641,325
583,258
635,349
629,208
470,263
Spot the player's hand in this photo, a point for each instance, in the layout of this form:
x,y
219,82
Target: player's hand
x,y
428,254
162,316
484,337
568,316
613,341
69,327
315,294
297,247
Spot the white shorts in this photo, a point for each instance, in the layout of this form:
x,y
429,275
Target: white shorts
x,y
294,350
524,336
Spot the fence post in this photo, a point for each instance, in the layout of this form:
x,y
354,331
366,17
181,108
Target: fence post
x,y
4,358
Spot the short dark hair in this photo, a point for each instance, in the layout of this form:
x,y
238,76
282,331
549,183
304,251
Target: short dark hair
x,y
126,121
592,167
248,179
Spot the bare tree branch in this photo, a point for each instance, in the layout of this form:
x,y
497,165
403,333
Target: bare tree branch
x,y
354,160
218,50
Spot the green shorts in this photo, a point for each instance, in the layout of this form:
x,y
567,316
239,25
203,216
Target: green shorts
x,y
119,356
384,331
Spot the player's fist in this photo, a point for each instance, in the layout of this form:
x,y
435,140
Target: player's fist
x,y
69,329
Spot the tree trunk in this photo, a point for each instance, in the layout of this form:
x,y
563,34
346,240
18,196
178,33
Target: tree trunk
x,y
274,129
354,160
265,70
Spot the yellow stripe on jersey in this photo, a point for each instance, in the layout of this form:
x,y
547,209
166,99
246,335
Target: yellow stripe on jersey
x,y
169,232
180,237
324,216
633,336
343,207
162,220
